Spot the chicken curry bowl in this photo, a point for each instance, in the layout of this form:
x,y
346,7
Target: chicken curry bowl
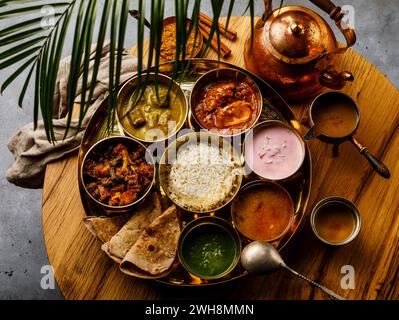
x,y
226,102
152,115
118,172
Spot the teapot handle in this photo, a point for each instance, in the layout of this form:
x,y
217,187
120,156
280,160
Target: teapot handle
x,y
337,15
268,11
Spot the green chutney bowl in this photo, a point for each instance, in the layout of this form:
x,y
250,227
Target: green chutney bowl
x,y
209,248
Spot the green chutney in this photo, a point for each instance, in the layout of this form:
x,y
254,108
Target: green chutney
x,y
208,250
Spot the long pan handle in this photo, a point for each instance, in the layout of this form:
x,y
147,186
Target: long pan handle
x,y
377,165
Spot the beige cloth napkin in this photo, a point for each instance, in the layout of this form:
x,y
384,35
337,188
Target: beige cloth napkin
x,y
30,147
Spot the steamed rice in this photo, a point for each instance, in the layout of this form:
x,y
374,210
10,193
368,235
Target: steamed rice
x,y
201,177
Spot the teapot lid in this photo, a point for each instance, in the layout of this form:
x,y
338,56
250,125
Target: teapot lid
x,y
296,34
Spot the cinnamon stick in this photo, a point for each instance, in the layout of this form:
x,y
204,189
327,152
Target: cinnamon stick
x,y
228,33
205,31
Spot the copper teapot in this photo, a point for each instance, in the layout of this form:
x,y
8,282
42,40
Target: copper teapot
x,y
295,50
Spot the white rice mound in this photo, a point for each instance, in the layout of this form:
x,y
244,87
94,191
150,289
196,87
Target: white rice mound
x,y
201,178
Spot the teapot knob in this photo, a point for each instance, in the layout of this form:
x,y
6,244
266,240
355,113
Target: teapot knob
x,y
296,28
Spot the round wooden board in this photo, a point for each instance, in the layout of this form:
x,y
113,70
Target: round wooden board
x,y
83,271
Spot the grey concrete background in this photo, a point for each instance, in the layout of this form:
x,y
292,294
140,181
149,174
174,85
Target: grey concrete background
x,y
22,251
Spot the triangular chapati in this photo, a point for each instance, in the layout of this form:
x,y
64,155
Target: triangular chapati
x,y
121,242
104,228
155,250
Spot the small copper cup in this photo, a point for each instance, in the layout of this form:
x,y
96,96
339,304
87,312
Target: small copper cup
x,y
341,202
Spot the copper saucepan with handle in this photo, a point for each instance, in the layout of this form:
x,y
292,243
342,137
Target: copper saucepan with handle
x,y
319,106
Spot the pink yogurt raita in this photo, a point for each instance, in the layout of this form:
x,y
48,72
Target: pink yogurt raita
x,y
275,152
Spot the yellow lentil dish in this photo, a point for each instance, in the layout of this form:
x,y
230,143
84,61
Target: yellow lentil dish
x,y
168,45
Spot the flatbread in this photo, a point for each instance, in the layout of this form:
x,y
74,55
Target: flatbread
x,y
120,243
104,228
155,250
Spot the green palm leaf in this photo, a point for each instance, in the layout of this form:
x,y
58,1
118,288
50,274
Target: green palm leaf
x,y
20,36
16,74
39,49
17,49
23,25
25,86
26,10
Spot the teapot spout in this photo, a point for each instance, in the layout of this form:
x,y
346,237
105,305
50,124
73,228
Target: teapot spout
x,y
333,79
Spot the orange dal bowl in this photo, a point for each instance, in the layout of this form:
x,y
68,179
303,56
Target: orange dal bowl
x,y
263,211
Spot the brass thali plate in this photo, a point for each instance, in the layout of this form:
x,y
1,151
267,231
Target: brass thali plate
x,y
274,108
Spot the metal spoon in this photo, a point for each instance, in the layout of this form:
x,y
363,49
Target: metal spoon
x,y
260,257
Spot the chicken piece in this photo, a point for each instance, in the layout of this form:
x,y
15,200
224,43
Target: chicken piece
x,y
244,92
234,114
218,95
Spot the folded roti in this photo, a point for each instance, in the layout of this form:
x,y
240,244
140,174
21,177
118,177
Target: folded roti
x,y
104,228
155,250
121,242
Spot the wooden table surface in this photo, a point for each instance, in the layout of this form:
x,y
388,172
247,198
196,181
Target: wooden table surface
x,y
83,271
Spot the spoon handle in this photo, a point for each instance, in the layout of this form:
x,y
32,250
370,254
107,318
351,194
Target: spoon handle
x,y
331,293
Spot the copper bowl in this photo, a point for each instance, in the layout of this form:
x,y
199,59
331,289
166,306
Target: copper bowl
x,y
103,145
343,202
218,75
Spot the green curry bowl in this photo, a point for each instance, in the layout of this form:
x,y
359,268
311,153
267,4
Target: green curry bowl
x,y
152,115
209,248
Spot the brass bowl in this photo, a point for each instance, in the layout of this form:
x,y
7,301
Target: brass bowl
x,y
257,184
342,201
218,75
103,145
128,90
205,222
170,155
266,124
